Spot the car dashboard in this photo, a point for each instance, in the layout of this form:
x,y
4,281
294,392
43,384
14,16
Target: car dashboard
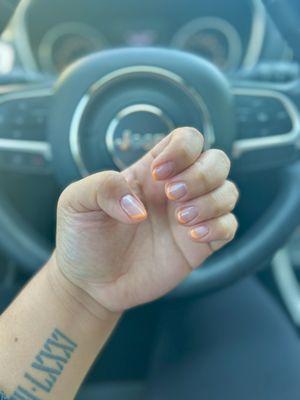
x,y
49,36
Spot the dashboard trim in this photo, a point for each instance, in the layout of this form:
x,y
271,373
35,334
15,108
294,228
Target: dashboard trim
x,y
26,146
29,63
257,37
20,37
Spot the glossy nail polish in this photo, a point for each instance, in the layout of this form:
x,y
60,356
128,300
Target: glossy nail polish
x,y
176,191
187,214
133,208
199,232
163,171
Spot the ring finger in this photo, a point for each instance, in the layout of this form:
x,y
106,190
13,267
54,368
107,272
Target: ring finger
x,y
220,229
212,205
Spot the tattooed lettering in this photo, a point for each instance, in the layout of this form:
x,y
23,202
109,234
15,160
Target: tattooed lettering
x,y
46,368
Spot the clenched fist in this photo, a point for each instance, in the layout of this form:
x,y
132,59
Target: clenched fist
x,y
130,237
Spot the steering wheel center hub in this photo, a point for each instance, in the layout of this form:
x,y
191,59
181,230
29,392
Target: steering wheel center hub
x,y
112,107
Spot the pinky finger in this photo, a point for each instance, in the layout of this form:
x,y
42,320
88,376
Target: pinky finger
x,y
216,232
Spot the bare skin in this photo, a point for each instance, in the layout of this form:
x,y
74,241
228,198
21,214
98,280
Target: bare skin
x,y
122,259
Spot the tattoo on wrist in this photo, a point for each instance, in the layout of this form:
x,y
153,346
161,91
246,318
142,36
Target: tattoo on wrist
x,y
46,368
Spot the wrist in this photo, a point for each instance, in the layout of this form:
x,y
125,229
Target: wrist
x,y
74,297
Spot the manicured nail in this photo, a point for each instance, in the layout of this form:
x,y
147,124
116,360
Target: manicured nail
x,y
199,232
163,171
187,214
176,191
133,208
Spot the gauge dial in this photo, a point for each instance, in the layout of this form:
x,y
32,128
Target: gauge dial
x,y
212,38
66,43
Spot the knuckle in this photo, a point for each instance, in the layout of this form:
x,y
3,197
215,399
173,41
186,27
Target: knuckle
x,y
64,197
222,158
202,178
225,229
234,189
217,245
108,183
186,151
229,227
235,223
195,134
61,200
233,226
108,177
232,195
218,164
216,203
188,131
190,141
178,134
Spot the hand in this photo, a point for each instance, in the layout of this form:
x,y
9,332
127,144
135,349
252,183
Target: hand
x,y
128,238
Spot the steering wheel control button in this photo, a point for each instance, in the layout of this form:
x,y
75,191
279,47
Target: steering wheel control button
x,y
24,119
23,162
23,125
262,116
134,131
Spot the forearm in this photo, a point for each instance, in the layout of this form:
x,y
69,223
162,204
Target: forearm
x,y
49,337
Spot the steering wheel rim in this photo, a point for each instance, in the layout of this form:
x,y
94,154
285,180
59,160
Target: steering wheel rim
x,y
33,251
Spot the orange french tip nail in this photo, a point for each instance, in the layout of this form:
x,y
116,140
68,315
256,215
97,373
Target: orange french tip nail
x,y
154,175
139,217
163,171
170,196
180,219
133,208
199,232
194,235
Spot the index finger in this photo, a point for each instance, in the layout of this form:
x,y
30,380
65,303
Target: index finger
x,y
183,147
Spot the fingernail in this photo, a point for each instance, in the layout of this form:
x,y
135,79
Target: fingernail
x,y
163,171
187,214
176,191
199,232
133,208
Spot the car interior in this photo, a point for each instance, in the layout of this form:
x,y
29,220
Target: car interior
x,y
90,85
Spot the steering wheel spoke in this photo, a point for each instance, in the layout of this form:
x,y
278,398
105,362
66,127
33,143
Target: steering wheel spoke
x,y
268,126
23,124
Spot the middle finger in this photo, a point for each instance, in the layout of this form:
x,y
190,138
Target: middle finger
x,y
206,174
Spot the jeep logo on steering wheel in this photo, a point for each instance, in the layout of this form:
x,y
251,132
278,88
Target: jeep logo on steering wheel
x,y
130,140
129,134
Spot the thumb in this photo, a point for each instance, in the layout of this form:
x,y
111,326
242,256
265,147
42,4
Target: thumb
x,y
105,191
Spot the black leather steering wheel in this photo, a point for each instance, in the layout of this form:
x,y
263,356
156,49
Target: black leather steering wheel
x,y
111,107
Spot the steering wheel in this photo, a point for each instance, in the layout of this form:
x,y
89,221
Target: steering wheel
x,y
108,109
